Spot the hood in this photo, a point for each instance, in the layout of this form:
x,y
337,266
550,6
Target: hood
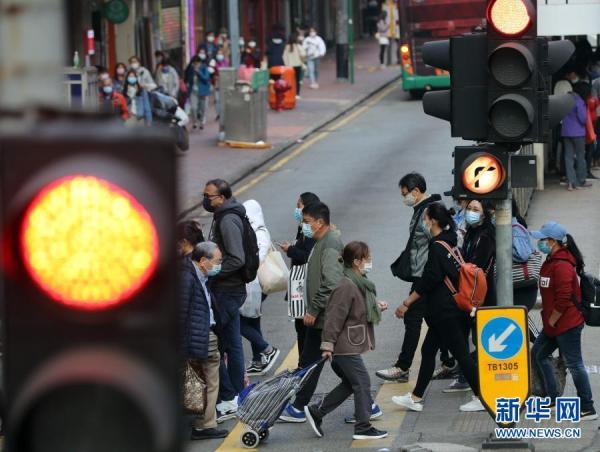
x,y
230,206
430,199
446,236
563,254
255,214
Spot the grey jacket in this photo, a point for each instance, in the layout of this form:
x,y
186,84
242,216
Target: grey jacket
x,y
419,248
227,231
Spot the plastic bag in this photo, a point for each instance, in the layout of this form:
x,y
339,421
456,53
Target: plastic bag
x,y
273,273
252,307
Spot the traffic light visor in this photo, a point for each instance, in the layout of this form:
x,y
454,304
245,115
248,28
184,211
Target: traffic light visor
x,y
510,17
88,243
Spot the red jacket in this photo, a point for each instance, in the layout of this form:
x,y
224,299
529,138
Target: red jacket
x,y
558,283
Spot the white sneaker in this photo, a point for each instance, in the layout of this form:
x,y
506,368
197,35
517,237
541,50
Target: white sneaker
x,y
407,401
472,406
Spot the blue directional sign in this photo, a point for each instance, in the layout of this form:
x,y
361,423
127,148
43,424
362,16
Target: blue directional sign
x,y
502,338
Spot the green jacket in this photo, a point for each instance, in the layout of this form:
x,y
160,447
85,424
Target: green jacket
x,y
323,274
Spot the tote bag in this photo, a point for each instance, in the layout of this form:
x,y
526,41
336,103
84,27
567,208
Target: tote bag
x,y
296,306
273,273
194,391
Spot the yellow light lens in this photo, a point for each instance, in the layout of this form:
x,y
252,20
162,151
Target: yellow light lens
x,y
509,17
88,243
404,49
483,175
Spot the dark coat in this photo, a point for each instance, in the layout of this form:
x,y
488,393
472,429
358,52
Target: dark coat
x,y
194,313
479,248
300,251
275,48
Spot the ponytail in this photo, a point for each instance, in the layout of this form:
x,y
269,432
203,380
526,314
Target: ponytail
x,y
572,247
438,212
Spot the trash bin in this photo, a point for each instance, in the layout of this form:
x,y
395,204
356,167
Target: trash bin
x,y
246,110
289,75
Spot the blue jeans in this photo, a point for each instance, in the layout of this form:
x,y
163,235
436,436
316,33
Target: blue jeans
x,y
569,345
231,376
250,329
313,70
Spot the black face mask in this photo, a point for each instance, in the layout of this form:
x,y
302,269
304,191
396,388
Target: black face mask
x,y
207,206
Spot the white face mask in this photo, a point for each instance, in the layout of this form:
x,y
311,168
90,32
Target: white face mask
x,y
368,267
312,34
409,200
252,44
135,66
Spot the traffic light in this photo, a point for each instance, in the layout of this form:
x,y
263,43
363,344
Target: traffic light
x,y
480,172
89,273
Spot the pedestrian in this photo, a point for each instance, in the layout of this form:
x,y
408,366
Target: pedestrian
x,y
159,57
323,274
591,137
293,56
200,329
596,100
138,101
222,59
111,101
573,135
229,288
119,78
315,49
448,325
224,44
298,252
413,188
209,46
264,354
382,37
459,221
167,78
275,47
198,85
144,76
522,249
251,55
213,70
348,332
562,321
189,235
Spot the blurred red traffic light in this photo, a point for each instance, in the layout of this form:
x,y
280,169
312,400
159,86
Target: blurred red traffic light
x,y
510,17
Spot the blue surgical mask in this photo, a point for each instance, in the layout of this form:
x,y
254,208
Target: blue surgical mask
x,y
307,231
107,89
298,214
214,271
544,247
132,80
472,218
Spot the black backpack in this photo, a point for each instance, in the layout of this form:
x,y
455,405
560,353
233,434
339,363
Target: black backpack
x,y
251,261
589,305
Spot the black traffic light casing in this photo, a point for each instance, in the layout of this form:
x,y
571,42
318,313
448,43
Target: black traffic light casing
x,y
85,379
465,166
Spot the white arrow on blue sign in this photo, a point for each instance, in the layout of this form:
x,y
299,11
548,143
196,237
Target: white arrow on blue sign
x,y
502,338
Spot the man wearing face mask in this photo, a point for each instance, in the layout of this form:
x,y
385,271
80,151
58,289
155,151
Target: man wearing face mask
x,y
144,76
323,273
199,327
229,288
414,194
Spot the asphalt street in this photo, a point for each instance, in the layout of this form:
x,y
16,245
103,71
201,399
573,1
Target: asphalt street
x,y
354,166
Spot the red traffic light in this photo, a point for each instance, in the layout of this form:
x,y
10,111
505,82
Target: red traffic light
x,y
88,243
510,17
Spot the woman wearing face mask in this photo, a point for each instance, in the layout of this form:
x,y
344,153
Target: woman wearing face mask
x,y
138,101
198,85
112,101
315,49
351,314
119,78
562,321
294,56
448,325
252,53
298,252
167,78
144,76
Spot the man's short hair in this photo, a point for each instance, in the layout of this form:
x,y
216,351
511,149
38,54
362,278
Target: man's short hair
x,y
413,180
223,187
204,249
191,231
318,211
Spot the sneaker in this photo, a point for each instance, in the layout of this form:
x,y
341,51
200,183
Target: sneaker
x,y
589,415
291,414
590,176
268,359
256,369
226,414
570,187
372,433
376,413
457,386
394,374
208,433
444,372
407,401
586,184
472,406
314,420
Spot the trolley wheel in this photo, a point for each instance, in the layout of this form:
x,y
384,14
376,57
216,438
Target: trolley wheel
x,y
249,439
264,435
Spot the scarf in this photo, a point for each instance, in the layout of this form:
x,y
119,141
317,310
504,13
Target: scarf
x,y
368,290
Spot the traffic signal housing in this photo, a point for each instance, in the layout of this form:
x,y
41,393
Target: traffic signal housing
x,y
89,273
480,172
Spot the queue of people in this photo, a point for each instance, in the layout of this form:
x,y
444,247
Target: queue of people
x,y
335,308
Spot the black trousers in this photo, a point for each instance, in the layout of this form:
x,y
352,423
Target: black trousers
x,y
300,334
382,50
413,319
298,73
453,333
311,353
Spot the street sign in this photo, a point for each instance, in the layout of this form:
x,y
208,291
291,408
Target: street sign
x,y
502,355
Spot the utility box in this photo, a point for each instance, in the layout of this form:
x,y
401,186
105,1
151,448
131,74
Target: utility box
x,y
246,111
81,88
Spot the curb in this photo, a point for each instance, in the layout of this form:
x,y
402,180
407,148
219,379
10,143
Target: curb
x,y
286,145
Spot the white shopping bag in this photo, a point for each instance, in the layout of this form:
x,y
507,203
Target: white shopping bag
x,y
252,307
273,273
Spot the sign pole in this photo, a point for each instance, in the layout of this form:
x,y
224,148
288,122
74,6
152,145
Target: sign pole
x,y
504,283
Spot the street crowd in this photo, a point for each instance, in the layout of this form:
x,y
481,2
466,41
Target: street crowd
x,y
336,310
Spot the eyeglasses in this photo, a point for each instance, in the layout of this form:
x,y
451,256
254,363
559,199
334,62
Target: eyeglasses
x,y
207,196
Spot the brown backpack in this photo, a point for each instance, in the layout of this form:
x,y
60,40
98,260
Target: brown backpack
x,y
472,284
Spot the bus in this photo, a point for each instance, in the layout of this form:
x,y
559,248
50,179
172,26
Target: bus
x,y
432,20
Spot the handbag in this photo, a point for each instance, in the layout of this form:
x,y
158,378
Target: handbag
x,y
296,306
252,307
383,41
273,273
401,267
194,391
560,375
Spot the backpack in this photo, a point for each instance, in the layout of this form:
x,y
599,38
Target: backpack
x,y
251,261
589,306
472,283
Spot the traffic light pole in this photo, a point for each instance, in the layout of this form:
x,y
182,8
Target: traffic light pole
x,y
504,283
234,32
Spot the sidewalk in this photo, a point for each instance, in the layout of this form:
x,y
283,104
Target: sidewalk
x,y
441,427
206,160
